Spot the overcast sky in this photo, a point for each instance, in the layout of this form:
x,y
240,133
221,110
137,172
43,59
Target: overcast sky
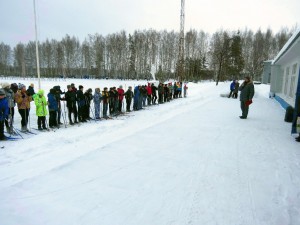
x,y
56,18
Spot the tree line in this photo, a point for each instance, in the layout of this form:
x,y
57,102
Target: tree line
x,y
221,56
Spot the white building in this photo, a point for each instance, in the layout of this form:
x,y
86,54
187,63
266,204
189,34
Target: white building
x,y
285,72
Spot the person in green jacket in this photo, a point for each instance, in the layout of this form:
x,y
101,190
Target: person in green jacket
x,y
247,93
41,109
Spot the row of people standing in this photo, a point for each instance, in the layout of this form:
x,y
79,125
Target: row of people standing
x,y
77,103
11,95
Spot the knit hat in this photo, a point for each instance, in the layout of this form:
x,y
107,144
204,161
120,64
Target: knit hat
x,y
2,92
21,86
80,86
5,84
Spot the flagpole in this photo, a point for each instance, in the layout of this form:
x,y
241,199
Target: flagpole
x,y
37,48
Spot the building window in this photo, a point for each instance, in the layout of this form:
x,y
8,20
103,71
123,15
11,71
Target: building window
x,y
294,68
287,71
286,80
292,87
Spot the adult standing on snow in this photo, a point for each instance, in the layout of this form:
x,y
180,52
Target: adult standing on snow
x,y
23,101
41,110
247,93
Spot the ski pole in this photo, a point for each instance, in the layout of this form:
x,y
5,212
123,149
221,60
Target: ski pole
x,y
91,109
64,115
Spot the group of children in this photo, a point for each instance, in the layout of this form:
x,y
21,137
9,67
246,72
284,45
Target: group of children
x,y
81,105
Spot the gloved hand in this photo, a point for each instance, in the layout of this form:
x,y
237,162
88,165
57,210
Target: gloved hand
x,y
249,102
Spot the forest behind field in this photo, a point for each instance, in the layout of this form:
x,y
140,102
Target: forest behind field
x,y
223,55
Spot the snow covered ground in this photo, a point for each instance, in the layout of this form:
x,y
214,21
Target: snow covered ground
x,y
188,162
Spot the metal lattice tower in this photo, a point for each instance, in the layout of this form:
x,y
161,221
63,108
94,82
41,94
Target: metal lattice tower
x,y
181,76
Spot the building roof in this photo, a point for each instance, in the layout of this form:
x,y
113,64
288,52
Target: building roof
x,y
288,44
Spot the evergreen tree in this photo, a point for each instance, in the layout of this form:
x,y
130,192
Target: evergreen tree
x,y
237,60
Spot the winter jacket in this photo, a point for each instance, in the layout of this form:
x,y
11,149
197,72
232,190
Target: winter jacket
x,y
80,98
143,91
52,102
97,97
105,97
40,103
160,89
128,94
88,97
236,87
232,85
154,89
121,94
4,109
23,100
70,97
10,96
149,89
31,92
179,84
247,91
136,93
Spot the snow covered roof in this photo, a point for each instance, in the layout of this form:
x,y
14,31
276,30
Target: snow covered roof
x,y
288,44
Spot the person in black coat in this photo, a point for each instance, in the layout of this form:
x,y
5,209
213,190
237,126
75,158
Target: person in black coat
x,y
58,94
70,97
30,90
154,95
88,96
81,103
247,93
128,97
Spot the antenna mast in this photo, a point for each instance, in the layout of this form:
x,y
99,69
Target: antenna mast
x,y
181,44
37,47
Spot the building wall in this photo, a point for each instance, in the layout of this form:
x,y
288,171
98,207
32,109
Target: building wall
x,y
276,79
266,77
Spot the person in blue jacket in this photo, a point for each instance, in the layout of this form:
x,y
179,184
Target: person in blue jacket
x,y
136,94
4,111
232,87
53,108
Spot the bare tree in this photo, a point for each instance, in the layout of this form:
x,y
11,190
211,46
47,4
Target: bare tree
x,y
5,58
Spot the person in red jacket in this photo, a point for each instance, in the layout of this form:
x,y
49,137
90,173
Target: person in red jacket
x,y
149,93
121,96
